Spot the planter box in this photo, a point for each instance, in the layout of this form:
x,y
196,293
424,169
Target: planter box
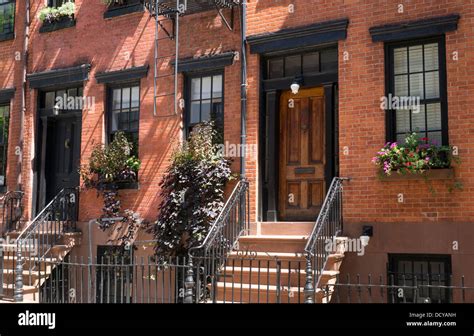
x,y
122,185
65,22
432,174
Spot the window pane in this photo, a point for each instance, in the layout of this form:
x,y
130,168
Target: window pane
x,y
418,120
329,60
400,61
217,86
206,87
80,92
401,86
416,86
72,92
195,112
431,57
275,68
125,98
434,116
311,62
7,16
292,65
435,137
135,96
403,121
432,85
416,58
196,88
206,110
116,99
49,100
115,119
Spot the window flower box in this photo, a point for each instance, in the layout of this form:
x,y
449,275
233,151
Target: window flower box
x,y
57,18
432,174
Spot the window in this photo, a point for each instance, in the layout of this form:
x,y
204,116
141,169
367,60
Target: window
x,y
206,101
424,271
123,3
296,65
7,18
61,100
4,122
417,73
57,3
124,114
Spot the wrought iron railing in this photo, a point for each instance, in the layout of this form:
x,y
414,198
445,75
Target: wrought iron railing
x,y
12,211
328,227
36,242
206,260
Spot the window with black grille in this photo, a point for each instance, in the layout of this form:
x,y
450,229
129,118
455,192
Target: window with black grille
x,y
124,113
419,278
7,19
417,71
206,100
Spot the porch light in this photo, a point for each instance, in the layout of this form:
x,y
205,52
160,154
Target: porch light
x,y
367,232
296,85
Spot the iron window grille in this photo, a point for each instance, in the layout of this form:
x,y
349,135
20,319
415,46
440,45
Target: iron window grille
x,y
431,273
206,100
124,113
417,70
7,18
4,124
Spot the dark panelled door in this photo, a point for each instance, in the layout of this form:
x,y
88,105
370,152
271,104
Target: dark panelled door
x,y
63,154
302,155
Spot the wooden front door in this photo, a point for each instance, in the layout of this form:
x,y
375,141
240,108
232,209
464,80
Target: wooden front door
x,y
302,155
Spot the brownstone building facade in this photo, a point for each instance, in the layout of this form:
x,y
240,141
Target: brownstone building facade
x,y
345,55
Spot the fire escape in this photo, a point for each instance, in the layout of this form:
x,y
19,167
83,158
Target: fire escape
x,y
167,14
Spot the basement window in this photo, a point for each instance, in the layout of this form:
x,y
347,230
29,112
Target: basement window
x,y
7,19
123,7
421,272
4,124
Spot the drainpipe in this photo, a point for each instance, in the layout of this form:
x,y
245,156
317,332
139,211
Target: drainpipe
x,y
23,95
243,89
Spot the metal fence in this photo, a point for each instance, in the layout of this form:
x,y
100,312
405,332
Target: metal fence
x,y
244,279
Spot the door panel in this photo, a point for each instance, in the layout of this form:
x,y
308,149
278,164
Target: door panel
x,y
302,150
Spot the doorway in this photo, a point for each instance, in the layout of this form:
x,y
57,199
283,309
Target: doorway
x,y
302,163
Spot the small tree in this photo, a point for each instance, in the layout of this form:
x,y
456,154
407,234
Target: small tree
x,y
192,193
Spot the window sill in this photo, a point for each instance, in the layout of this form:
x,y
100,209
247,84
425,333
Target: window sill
x,y
433,174
114,12
66,22
7,37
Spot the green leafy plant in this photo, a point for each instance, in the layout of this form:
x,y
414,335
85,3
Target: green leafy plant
x,y
192,193
53,14
111,164
416,155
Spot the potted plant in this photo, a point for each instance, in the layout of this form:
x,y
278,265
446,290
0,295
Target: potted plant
x,y
54,18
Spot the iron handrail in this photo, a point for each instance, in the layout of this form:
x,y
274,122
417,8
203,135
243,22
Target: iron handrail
x,y
328,226
12,200
219,224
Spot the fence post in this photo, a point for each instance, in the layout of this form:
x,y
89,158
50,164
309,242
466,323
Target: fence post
x,y
18,292
308,287
189,283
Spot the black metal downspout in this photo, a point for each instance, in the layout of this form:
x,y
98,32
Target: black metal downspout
x,y
243,89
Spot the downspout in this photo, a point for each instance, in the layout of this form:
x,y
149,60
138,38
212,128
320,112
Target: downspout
x,y
23,96
243,89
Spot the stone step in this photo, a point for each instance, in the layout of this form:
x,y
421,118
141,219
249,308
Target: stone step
x,y
277,243
285,228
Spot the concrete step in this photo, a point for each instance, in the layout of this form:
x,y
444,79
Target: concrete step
x,y
277,243
285,228
266,259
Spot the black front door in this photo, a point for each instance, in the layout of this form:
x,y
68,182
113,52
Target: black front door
x,y
63,150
